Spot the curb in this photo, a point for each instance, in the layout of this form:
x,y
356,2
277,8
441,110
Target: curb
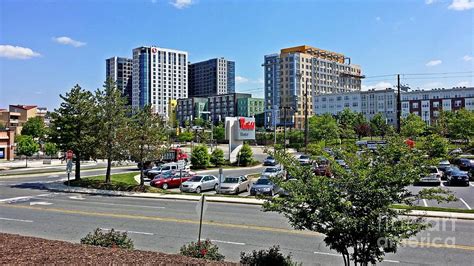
x,y
22,175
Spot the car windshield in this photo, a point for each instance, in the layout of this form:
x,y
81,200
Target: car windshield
x,y
453,168
304,157
270,158
196,178
271,170
263,181
433,170
231,180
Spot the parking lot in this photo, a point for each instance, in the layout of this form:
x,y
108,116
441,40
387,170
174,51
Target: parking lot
x,y
464,194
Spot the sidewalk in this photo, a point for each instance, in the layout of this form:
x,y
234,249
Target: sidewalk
x,y
60,187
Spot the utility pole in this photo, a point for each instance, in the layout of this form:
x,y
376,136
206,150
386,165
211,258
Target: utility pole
x,y
399,104
306,117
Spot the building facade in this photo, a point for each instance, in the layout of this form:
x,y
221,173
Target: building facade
x,y
369,103
429,103
272,90
190,108
212,77
119,70
221,106
158,76
304,72
16,116
7,144
250,107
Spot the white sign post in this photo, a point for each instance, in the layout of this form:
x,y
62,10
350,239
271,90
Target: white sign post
x,y
201,209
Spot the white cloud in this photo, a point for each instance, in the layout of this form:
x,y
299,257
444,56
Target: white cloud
x,y
379,86
434,63
240,79
17,52
429,2
467,58
460,5
180,4
463,84
68,41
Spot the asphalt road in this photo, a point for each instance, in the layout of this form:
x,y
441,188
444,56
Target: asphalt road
x,y
166,225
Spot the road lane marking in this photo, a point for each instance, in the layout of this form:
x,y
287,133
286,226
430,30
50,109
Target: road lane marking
x,y
16,199
425,203
129,232
77,198
465,203
16,220
228,242
227,225
339,255
40,203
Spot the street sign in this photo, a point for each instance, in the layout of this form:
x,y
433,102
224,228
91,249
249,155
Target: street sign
x,y
69,166
69,155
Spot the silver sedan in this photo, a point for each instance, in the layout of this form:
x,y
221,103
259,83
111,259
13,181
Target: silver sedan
x,y
234,185
199,183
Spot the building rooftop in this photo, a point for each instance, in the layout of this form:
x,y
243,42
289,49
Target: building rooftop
x,y
24,107
333,56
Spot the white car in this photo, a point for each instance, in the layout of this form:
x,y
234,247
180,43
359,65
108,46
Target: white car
x,y
304,160
434,176
272,172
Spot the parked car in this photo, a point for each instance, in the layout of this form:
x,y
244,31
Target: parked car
x,y
171,179
270,161
200,183
264,186
234,185
162,168
304,160
443,165
465,164
322,170
448,170
434,177
458,177
272,172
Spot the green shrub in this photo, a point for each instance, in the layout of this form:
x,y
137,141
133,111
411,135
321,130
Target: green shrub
x,y
272,256
245,157
109,239
203,249
200,157
185,136
217,157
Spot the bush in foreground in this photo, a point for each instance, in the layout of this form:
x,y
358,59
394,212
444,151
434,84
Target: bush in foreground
x,y
272,256
204,250
217,157
200,157
108,239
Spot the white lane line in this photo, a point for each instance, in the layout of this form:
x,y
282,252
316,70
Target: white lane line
x,y
10,200
228,242
425,203
16,220
77,198
465,203
129,232
128,205
40,203
338,255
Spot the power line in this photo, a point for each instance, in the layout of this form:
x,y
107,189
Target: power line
x,y
445,77
421,74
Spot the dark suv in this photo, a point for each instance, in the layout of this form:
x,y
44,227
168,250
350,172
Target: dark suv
x,y
458,177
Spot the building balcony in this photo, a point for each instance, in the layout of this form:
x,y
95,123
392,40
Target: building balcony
x,y
13,121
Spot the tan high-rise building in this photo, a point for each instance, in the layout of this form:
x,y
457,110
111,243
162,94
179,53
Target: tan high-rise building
x,y
307,69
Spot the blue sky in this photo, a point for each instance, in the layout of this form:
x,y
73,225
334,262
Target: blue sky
x,y
384,37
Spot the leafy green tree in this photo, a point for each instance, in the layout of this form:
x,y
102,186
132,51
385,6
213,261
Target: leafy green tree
x,y
219,133
34,127
412,126
27,146
200,157
217,157
50,149
198,122
2,126
245,156
436,146
186,136
323,127
354,211
441,126
74,125
379,126
461,125
346,120
112,112
145,137
361,126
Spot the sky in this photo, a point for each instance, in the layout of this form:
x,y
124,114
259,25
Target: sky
x,y
48,46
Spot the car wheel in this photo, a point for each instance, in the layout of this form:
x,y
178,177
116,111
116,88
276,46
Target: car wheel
x,y
198,190
165,186
216,186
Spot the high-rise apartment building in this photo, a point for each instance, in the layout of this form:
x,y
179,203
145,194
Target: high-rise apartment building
x,y
305,69
212,77
119,70
159,75
272,90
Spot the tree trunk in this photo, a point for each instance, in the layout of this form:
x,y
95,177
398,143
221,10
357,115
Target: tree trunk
x,y
78,167
142,180
107,173
26,161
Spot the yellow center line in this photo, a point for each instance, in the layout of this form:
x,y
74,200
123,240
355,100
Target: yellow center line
x,y
227,225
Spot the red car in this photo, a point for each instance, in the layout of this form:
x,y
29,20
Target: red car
x,y
322,170
171,179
